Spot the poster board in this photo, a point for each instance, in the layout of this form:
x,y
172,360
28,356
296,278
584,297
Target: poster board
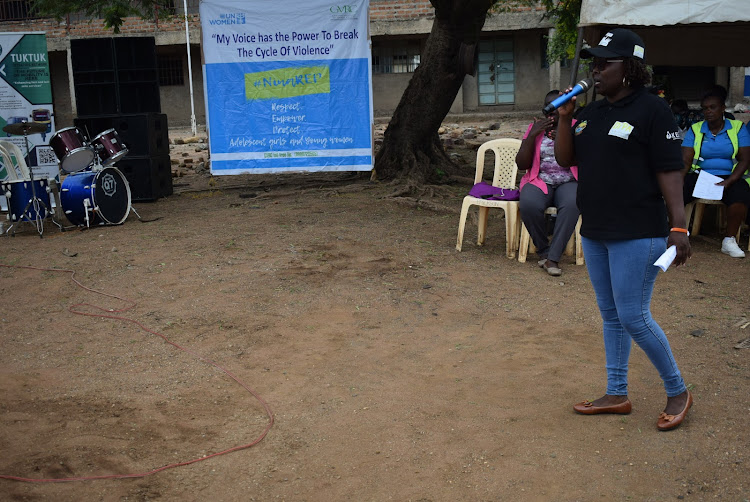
x,y
26,95
288,86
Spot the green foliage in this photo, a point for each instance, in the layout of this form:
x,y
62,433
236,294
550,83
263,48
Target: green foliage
x,y
564,15
112,12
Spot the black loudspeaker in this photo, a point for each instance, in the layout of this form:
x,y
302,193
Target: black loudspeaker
x,y
145,134
135,53
149,177
94,76
115,75
147,166
88,55
138,97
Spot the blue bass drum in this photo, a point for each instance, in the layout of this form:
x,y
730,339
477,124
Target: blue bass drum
x,y
21,203
96,197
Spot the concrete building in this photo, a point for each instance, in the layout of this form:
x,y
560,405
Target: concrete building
x,y
168,31
512,73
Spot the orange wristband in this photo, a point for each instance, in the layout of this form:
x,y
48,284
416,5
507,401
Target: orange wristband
x,y
681,230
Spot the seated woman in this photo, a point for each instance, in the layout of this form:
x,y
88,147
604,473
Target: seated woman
x,y
721,147
546,184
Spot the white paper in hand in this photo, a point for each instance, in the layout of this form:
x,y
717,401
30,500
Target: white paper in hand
x,y
666,259
706,188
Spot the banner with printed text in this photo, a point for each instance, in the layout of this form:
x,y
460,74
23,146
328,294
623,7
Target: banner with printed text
x,y
26,96
288,85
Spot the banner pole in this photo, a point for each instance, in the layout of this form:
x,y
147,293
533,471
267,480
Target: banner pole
x,y
190,72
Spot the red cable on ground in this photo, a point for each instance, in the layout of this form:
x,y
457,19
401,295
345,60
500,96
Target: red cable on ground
x,y
73,309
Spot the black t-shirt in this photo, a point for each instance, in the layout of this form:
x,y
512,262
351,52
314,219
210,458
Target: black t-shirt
x,y
619,148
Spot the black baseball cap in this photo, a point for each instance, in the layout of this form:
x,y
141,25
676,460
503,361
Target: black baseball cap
x,y
619,42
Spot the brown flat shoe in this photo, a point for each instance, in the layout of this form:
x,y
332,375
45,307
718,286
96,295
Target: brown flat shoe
x,y
669,422
588,408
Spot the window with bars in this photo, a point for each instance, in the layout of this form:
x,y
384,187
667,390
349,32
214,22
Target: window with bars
x,y
402,58
171,70
177,7
15,10
169,7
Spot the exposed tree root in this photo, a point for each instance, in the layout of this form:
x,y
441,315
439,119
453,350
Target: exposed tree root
x,y
424,204
462,180
421,191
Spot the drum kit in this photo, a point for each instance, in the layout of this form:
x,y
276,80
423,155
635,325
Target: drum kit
x,y
93,190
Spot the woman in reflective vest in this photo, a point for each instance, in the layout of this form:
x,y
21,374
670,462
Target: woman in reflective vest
x,y
720,147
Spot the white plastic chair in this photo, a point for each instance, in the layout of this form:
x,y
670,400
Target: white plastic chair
x,y
12,154
505,150
525,245
7,170
7,173
17,157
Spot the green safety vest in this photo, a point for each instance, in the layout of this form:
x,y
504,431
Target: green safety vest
x,y
733,133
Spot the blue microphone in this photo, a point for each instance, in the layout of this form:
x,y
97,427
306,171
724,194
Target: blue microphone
x,y
582,86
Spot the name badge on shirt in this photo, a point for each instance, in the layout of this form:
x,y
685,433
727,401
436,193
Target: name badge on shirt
x,y
621,130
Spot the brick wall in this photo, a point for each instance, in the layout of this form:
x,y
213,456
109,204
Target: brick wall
x,y
380,10
400,10
95,28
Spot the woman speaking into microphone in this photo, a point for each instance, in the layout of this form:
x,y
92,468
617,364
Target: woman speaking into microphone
x,y
627,150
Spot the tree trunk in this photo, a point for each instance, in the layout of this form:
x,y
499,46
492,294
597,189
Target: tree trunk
x,y
412,152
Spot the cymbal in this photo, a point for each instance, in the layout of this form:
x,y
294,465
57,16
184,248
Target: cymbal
x,y
23,128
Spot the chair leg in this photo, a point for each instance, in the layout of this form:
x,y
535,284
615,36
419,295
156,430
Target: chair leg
x,y
510,235
462,224
739,234
688,213
579,245
523,244
721,219
482,227
570,246
697,218
532,247
517,229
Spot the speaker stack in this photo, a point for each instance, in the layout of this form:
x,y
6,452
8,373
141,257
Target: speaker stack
x,y
117,87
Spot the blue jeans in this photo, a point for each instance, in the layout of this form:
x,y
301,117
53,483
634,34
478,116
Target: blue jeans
x,y
623,275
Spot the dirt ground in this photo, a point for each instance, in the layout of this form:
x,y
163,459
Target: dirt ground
x,y
396,368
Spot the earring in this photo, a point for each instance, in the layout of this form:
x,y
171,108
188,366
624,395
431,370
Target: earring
x,y
624,82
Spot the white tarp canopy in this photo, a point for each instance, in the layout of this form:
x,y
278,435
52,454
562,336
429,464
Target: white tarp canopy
x,y
677,32
662,12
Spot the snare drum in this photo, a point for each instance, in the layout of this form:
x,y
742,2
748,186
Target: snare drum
x,y
71,149
109,147
96,197
22,206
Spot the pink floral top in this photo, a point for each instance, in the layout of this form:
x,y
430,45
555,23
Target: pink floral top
x,y
533,175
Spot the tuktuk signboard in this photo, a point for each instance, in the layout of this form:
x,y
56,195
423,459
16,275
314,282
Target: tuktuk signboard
x,y
26,96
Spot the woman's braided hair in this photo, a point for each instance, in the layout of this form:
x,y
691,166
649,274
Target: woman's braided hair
x,y
637,74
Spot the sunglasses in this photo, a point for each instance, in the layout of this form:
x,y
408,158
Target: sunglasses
x,y
601,63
